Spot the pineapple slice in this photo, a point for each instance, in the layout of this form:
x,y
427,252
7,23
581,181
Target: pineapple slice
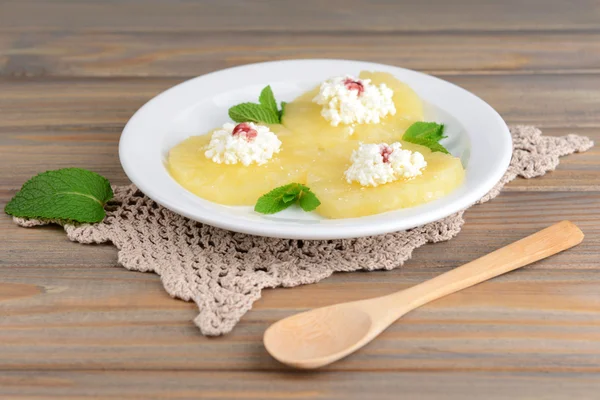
x,y
340,199
304,117
238,184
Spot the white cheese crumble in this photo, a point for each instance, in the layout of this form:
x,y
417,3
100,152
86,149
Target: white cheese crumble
x,y
251,144
347,100
377,164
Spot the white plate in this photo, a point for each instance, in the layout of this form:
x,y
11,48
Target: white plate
x,y
476,134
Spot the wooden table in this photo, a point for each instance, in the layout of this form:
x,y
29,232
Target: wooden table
x,y
73,324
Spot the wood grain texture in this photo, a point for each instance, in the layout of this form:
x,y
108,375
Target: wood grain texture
x,y
305,16
294,385
531,321
74,325
185,54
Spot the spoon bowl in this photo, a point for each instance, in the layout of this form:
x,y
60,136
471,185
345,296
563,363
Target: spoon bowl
x,y
319,337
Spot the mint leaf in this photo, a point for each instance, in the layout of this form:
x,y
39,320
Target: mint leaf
x,y
308,201
426,134
432,144
288,197
283,104
282,197
302,187
267,99
425,130
273,202
69,194
254,113
265,112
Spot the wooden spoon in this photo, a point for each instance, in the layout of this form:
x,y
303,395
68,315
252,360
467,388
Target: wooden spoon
x,y
319,337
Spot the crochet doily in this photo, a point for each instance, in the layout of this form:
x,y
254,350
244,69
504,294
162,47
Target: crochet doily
x,y
224,272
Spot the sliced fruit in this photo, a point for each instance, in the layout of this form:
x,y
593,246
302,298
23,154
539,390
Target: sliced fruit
x,y
304,117
237,184
340,199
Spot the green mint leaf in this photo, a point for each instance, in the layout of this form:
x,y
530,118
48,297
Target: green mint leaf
x,y
271,206
294,189
289,197
252,112
282,197
426,134
425,130
273,202
308,201
69,194
265,112
432,144
267,99
282,111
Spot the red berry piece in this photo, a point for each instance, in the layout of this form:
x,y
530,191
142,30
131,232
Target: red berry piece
x,y
386,152
245,130
354,85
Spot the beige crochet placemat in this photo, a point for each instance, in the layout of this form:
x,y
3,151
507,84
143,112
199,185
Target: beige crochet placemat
x,y
224,272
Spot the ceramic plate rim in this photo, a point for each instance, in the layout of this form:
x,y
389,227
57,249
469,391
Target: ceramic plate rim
x,y
143,167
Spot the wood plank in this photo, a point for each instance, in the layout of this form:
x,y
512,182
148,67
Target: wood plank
x,y
532,321
28,151
305,16
295,385
541,318
190,54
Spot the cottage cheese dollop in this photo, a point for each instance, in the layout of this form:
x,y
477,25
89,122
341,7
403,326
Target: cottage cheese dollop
x,y
377,164
245,143
348,100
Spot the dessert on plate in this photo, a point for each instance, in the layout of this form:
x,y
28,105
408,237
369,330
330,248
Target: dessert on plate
x,y
378,181
357,144
375,107
236,164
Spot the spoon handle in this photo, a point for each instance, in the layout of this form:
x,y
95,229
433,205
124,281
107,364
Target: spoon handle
x,y
549,241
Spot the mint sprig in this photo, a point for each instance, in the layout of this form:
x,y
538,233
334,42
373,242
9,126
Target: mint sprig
x,y
265,110
308,200
283,197
69,194
267,99
252,112
282,111
426,134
